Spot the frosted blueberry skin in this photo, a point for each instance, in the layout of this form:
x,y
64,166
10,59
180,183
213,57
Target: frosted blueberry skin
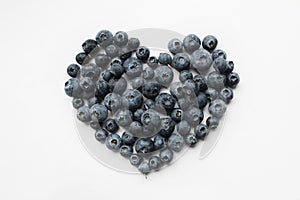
x,y
125,53
133,67
152,62
177,114
89,45
134,98
102,60
150,89
165,102
111,126
142,53
92,101
135,128
180,62
216,80
126,151
176,142
112,51
77,102
154,162
202,100
151,118
185,75
218,53
201,131
191,139
123,117
120,38
90,70
232,80
135,159
83,114
222,66
164,75
164,59
217,108
226,94
112,101
117,70
98,112
137,82
191,43
190,88
144,145
113,142
144,168
138,114
86,84
133,43
183,127
81,58
120,86
175,46
101,135
72,88
176,90
128,138
148,104
104,38
167,127
73,70
209,43
201,60
211,94
212,122
148,73
166,155
159,142
194,116
95,124
107,75
200,82
102,89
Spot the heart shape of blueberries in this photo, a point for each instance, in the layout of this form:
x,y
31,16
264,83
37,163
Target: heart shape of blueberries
x,y
118,85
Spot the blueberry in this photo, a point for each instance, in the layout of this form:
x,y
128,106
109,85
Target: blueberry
x,y
142,53
120,86
175,46
151,118
200,82
102,60
218,54
95,124
216,80
83,114
191,139
92,101
217,108
191,43
123,117
226,94
134,98
159,142
120,38
112,51
185,103
112,101
72,87
111,125
117,70
181,61
231,66
177,114
102,89
126,151
133,67
202,100
135,128
212,122
98,112
167,127
148,73
222,66
135,159
86,84
133,43
185,75
194,116
90,70
210,43
150,89
164,59
164,75
138,114
176,142
77,102
211,94
112,83
73,70
152,62
183,127
116,60
165,102
144,145
107,75
176,90
166,155
144,168
232,79
89,45
81,58
155,162
128,138
148,104
201,60
113,142
101,135
125,53
190,88
201,131
104,38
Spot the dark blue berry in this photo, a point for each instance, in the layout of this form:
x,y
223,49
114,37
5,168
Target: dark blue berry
x,y
165,102
133,43
167,127
102,60
120,38
200,82
117,70
126,151
113,142
191,139
81,57
98,112
185,75
112,101
164,59
134,98
107,75
138,114
152,62
77,103
181,62
232,79
148,104
151,118
210,43
128,138
125,53
104,38
222,66
89,45
212,122
201,131
73,70
226,94
150,90
191,43
102,89
155,163
133,67
101,135
176,114
111,125
116,60
159,142
218,53
144,145
72,87
142,53
202,100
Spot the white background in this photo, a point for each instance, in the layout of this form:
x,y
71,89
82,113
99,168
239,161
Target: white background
x,y
258,156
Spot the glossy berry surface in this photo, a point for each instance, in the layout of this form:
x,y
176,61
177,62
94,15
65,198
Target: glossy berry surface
x,y
81,58
226,94
111,125
164,59
191,139
142,53
144,145
167,127
232,79
120,38
201,131
180,62
209,43
126,151
177,114
104,38
101,135
73,70
175,46
128,138
113,142
166,155
191,43
89,45
155,163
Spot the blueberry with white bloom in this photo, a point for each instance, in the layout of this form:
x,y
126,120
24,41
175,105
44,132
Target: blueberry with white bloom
x,y
95,124
176,90
176,142
101,135
218,53
144,145
83,114
167,127
148,73
126,151
117,70
175,46
232,79
137,82
120,86
104,38
98,112
125,52
77,102
185,75
148,104
181,61
90,70
107,75
194,116
72,88
209,43
222,66
112,101
138,114
111,125
112,51
191,43
226,94
164,59
216,80
133,67
183,127
123,117
87,84
135,128
150,89
164,75
144,168
191,139
155,163
166,155
211,94
165,102
133,43
217,108
142,53
113,142
212,122
152,62
201,60
120,38
159,142
102,60
201,131
200,82
135,159
134,98
202,100
150,118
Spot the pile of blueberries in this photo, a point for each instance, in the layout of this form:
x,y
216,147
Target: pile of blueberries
x,y
117,83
